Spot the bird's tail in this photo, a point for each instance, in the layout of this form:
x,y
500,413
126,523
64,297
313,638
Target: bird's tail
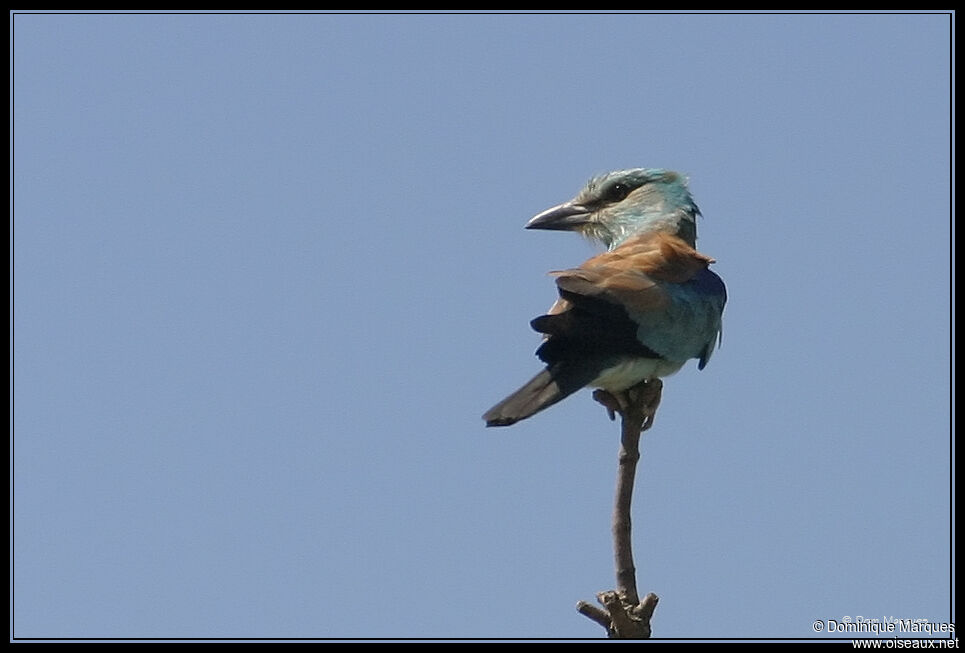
x,y
543,390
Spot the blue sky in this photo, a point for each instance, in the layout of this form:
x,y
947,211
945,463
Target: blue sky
x,y
269,271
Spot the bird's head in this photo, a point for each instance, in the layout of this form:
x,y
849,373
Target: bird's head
x,y
617,205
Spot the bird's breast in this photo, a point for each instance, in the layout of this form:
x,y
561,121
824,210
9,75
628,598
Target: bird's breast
x,y
631,371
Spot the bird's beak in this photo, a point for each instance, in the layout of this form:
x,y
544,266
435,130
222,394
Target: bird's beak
x,y
565,217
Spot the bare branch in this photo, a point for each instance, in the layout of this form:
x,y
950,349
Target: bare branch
x,y
590,611
625,616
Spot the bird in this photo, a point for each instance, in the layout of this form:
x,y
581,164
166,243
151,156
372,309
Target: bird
x,y
636,312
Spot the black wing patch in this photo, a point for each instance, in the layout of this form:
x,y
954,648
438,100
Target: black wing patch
x,y
590,328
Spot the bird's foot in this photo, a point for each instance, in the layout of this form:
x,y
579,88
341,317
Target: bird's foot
x,y
614,402
638,402
644,400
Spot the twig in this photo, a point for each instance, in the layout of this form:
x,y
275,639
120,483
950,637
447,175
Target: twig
x,y
626,617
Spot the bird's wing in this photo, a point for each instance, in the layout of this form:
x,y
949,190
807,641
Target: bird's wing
x,y
653,296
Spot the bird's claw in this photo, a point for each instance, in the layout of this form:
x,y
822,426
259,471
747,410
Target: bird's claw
x,y
613,402
640,402
645,398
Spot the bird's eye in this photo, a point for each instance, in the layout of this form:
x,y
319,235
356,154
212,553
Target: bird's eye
x,y
617,192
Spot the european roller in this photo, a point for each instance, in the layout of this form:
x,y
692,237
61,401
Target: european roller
x,y
638,311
